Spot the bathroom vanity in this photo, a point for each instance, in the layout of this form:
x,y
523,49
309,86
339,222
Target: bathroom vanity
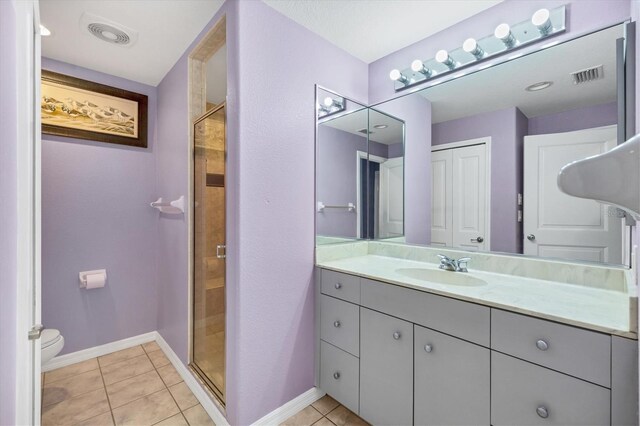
x,y
403,342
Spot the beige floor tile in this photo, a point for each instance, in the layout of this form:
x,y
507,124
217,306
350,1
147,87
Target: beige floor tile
x,y
151,347
119,356
169,375
126,369
125,391
105,419
71,370
323,422
177,420
158,358
306,417
146,411
196,416
75,410
325,404
183,396
343,417
60,390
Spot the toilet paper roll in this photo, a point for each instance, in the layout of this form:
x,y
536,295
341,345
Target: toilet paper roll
x,y
96,280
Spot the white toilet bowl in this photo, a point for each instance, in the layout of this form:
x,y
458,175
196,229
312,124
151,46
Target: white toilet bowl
x,y
51,344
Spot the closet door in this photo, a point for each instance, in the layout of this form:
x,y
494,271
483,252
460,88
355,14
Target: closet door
x,y
441,198
469,197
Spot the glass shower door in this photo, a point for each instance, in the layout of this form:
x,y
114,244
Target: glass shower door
x,y
208,334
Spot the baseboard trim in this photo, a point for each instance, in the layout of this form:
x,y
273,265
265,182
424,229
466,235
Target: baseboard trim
x,y
189,379
85,354
290,408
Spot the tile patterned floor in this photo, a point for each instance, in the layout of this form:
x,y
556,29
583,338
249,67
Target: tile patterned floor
x,y
136,386
325,412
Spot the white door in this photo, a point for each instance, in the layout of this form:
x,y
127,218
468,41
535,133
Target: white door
x,y
557,224
460,196
391,214
441,198
469,197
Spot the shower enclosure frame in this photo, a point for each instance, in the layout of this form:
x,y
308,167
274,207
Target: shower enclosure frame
x,y
219,395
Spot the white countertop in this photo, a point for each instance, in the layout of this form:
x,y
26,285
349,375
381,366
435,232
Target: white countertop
x,y
608,311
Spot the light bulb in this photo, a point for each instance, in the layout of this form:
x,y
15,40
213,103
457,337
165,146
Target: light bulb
x,y
418,66
471,46
542,20
503,32
396,75
44,31
443,57
328,101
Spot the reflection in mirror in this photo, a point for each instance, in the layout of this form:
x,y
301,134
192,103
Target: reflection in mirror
x,y
359,174
498,138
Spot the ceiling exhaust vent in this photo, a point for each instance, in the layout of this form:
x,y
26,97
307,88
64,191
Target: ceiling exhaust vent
x,y
365,131
107,30
588,75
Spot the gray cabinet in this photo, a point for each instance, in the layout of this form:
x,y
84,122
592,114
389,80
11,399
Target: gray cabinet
x,y
339,375
452,380
386,369
340,324
342,286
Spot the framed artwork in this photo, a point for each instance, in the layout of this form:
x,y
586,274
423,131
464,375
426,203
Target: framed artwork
x,y
82,109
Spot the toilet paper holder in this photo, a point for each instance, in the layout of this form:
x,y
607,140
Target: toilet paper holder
x,y
83,276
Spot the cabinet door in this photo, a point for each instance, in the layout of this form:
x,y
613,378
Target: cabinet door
x,y
452,380
386,369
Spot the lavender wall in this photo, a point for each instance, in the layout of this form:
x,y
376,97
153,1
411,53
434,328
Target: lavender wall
x,y
416,113
575,119
504,128
8,212
96,214
583,16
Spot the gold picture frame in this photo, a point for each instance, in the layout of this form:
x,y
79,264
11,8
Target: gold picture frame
x,y
81,109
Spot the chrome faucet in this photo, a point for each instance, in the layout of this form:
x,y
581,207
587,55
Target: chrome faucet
x,y
449,264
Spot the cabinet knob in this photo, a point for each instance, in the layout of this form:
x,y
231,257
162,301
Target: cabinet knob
x,y
542,412
338,286
428,348
397,335
542,345
336,324
336,375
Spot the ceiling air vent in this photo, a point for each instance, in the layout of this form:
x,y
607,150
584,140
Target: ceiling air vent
x,y
587,75
364,131
107,30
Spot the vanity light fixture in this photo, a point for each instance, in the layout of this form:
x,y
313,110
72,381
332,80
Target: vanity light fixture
x,y
443,57
44,31
380,126
542,20
396,75
541,85
470,45
329,103
418,66
503,32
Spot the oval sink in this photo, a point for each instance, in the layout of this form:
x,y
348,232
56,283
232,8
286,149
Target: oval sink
x,y
441,277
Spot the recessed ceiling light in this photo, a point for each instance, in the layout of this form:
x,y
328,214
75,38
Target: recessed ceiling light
x,y
538,86
380,126
44,31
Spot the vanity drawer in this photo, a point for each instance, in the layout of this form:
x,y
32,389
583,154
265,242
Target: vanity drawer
x,y
340,324
571,350
523,394
342,286
340,375
467,321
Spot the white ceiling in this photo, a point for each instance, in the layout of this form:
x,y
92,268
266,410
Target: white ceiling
x,y
165,29
356,121
371,29
503,86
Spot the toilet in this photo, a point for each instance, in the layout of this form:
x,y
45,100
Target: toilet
x,y
52,343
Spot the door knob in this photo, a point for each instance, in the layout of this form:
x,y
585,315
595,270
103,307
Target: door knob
x,y
531,237
477,240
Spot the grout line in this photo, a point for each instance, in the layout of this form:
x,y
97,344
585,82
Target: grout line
x,y
113,419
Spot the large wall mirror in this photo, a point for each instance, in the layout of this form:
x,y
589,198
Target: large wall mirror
x,y
483,152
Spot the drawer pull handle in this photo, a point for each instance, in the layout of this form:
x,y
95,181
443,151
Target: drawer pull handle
x,y
397,335
336,324
428,348
542,412
336,375
338,286
542,345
